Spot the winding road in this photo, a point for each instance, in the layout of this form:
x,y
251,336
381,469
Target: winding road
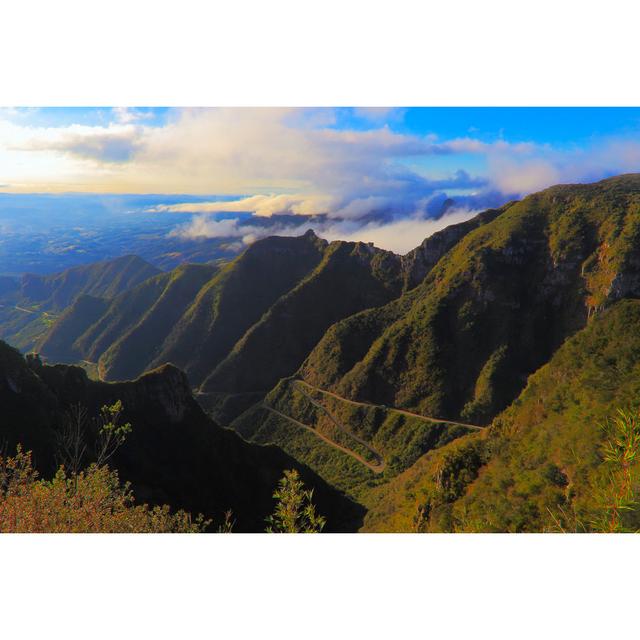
x,y
341,427
379,465
375,467
379,406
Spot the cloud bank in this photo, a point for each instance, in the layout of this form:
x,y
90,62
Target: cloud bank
x,y
374,180
398,235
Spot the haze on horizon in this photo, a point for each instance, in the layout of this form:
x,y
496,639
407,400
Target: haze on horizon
x,y
391,176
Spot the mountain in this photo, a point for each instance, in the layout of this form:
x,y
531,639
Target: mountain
x,y
103,279
191,316
237,298
418,386
350,277
128,329
175,453
540,464
460,345
417,263
222,325
30,305
494,308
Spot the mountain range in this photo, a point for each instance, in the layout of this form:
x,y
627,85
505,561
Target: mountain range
x,y
460,387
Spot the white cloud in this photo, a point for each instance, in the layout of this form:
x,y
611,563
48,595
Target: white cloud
x,y
259,205
126,115
360,207
114,143
292,161
399,236
225,151
514,175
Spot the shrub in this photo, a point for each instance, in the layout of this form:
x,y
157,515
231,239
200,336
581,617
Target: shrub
x,y
92,501
294,512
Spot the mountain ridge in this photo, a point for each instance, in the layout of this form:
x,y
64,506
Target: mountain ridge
x,y
175,454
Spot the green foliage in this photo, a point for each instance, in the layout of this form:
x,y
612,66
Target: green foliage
x,y
295,511
542,465
112,431
93,501
79,436
371,432
421,498
489,381
30,311
621,457
494,308
122,334
191,316
99,279
338,469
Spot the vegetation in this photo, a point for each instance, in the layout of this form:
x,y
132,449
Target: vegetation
x,y
191,316
350,277
545,463
524,320
30,307
295,511
101,330
79,498
175,454
99,279
621,454
494,308
336,468
89,501
399,439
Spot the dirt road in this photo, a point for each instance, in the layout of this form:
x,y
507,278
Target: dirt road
x,y
402,411
376,468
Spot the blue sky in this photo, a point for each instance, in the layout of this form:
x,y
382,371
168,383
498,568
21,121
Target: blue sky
x,y
376,173
552,125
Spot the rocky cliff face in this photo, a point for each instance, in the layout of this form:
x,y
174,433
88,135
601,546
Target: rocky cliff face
x,y
417,263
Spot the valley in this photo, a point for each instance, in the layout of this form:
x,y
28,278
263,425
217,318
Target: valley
x,y
458,387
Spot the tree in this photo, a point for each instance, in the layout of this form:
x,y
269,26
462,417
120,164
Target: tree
x,y
71,439
112,432
75,441
295,511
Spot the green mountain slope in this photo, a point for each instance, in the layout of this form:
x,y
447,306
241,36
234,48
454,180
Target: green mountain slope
x,y
350,277
418,263
235,299
494,308
539,465
191,316
175,454
101,279
352,445
240,328
30,306
58,343
123,335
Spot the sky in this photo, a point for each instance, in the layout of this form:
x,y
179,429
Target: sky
x,y
387,175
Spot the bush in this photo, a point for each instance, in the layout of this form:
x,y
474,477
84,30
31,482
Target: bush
x,y
92,501
295,512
